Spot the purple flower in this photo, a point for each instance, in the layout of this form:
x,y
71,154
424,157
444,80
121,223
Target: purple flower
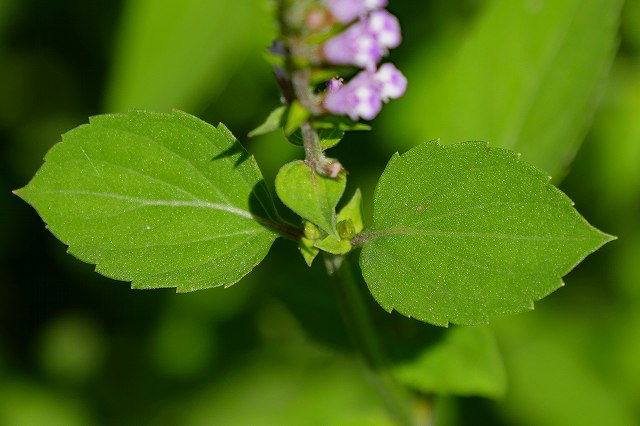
x,y
355,46
348,10
334,84
362,97
365,42
385,28
391,82
358,98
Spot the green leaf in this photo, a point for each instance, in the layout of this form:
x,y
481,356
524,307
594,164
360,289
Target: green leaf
x,y
339,122
466,362
352,212
296,116
330,137
310,195
162,200
349,223
561,350
297,385
272,123
308,250
464,232
334,245
182,53
526,77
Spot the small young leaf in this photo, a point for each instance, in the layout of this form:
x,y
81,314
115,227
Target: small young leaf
x,y
162,200
310,195
272,123
308,251
352,212
339,122
328,137
334,245
464,232
306,244
296,116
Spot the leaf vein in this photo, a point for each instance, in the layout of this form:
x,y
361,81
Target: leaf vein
x,y
198,203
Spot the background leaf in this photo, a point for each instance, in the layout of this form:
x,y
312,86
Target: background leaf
x,y
163,200
466,362
527,77
464,232
180,53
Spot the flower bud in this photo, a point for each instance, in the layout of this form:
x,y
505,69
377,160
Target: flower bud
x,y
334,84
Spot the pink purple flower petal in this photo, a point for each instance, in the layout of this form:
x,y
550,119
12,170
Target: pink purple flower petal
x,y
355,46
362,97
391,82
347,10
385,28
365,42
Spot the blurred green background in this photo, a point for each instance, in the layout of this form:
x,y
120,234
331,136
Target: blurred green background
x,y
541,77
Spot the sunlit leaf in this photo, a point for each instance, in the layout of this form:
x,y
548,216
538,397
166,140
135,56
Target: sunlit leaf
x,y
465,232
163,200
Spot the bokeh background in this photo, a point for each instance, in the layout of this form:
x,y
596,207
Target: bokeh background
x,y
542,77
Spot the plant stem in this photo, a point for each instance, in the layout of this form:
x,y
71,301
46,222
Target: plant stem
x,y
312,150
397,399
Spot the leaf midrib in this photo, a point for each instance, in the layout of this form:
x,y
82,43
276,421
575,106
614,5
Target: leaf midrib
x,y
402,231
197,203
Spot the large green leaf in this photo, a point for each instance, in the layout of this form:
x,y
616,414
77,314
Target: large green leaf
x,y
527,77
180,53
163,200
464,232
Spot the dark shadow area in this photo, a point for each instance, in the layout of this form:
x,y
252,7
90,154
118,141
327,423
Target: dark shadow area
x,y
234,150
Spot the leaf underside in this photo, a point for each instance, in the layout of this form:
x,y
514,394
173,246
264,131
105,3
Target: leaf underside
x,y
162,200
465,232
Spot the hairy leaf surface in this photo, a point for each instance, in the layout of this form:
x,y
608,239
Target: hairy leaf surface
x,y
465,232
162,200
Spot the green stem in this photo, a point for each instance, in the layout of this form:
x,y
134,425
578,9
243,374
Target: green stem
x,y
312,150
396,398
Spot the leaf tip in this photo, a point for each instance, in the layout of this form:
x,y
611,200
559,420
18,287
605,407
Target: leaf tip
x,y
19,192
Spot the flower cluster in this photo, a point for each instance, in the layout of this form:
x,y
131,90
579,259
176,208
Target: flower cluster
x,y
373,31
363,95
